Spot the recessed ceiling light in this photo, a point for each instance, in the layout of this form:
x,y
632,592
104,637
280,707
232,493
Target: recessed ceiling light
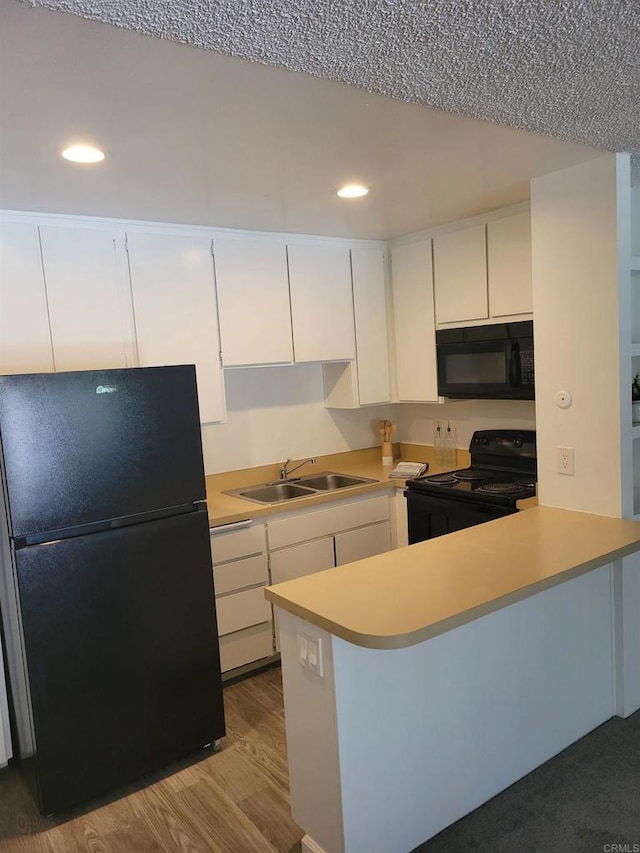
x,y
83,154
352,191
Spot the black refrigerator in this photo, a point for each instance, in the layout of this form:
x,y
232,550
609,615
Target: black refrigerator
x,y
108,609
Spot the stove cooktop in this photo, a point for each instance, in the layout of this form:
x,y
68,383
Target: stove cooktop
x,y
502,471
507,486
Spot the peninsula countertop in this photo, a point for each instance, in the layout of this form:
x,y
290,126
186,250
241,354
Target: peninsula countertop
x,y
408,595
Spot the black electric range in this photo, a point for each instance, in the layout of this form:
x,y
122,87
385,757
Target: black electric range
x,y
502,472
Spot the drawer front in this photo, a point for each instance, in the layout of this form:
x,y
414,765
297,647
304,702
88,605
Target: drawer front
x,y
240,573
241,610
300,560
246,646
363,542
325,522
231,544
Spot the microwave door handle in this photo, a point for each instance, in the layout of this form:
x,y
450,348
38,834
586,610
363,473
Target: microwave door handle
x,y
515,366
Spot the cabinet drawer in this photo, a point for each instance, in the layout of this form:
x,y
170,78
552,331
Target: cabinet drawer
x,y
231,544
240,573
325,522
246,646
301,560
241,610
363,542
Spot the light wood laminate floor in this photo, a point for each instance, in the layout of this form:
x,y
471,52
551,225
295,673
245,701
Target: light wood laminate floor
x,y
232,801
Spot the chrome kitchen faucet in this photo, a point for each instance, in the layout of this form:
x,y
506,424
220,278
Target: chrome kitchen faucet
x,y
285,474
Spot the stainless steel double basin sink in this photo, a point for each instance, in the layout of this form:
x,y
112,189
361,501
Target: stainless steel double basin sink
x,y
300,487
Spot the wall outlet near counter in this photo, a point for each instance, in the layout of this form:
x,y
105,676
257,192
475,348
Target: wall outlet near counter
x,y
565,461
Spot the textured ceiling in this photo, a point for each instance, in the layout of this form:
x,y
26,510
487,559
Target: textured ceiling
x,y
565,68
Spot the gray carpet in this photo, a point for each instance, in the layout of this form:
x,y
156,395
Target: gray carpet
x,y
584,800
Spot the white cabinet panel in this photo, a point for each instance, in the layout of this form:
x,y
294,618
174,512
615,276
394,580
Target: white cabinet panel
x,y
370,308
460,275
246,646
231,544
85,291
253,299
323,522
414,323
321,301
175,310
249,571
301,560
509,265
242,609
366,380
25,340
363,542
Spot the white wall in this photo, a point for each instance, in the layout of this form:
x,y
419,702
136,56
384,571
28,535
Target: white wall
x,y
576,308
278,412
416,422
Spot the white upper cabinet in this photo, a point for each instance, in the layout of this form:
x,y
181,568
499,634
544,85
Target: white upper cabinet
x,y
253,299
366,380
25,340
460,275
414,323
86,294
370,309
482,274
321,301
175,310
509,265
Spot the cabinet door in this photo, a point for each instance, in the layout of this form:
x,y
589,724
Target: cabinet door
x,y
242,610
370,308
460,275
246,646
363,542
321,301
414,324
175,310
301,560
509,265
253,300
86,295
25,340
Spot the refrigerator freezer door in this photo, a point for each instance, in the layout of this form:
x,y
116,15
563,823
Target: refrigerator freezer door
x,y
83,447
122,655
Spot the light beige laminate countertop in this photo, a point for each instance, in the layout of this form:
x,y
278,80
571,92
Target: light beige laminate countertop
x,y
227,509
406,596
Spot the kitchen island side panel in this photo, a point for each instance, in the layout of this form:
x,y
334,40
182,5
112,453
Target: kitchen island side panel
x,y
429,732
403,742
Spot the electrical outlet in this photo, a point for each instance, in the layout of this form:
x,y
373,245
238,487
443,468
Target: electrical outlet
x,y
565,461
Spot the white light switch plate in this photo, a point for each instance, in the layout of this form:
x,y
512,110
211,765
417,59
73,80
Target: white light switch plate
x,y
310,652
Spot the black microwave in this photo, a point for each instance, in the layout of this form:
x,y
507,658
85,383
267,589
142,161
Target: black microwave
x,y
491,362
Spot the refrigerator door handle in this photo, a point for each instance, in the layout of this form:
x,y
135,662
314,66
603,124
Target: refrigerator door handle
x,y
41,538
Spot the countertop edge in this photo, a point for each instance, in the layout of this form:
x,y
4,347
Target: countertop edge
x,y
403,640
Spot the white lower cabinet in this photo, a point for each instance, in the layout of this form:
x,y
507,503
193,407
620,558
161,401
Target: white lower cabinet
x,y
299,560
361,543
302,543
240,573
